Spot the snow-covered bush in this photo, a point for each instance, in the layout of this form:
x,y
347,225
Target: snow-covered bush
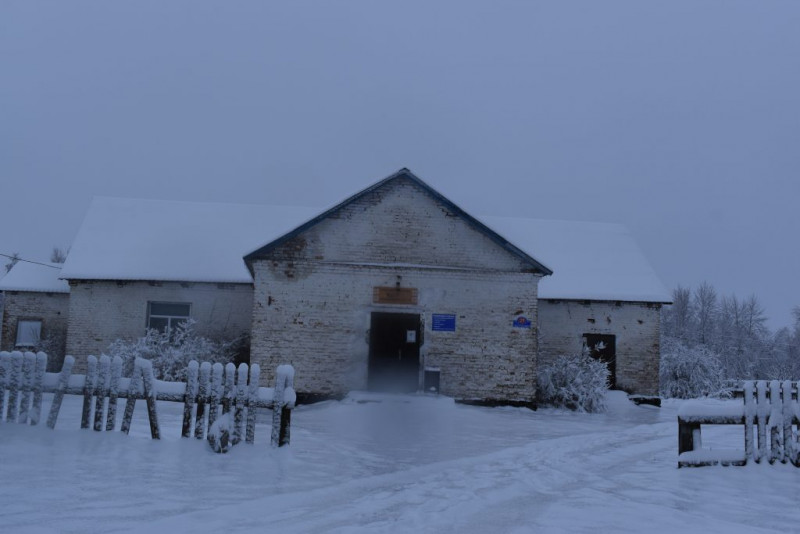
x,y
172,350
219,435
54,345
577,382
688,372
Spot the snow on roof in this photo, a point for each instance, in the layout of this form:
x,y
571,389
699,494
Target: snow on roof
x,y
42,278
134,239
590,261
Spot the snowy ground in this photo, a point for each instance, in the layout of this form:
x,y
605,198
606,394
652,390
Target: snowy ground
x,y
405,464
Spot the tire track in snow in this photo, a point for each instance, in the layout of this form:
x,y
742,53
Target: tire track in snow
x,y
460,495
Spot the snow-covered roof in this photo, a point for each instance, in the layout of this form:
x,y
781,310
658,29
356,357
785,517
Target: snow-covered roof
x,y
42,278
590,261
134,239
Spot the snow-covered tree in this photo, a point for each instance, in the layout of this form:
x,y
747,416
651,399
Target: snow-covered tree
x,y
735,330
688,372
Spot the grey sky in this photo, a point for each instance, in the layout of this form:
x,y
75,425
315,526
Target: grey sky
x,y
680,119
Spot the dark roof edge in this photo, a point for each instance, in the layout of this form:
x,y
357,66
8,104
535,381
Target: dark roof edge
x,y
402,173
609,300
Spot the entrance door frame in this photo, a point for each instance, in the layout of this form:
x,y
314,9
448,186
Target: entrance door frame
x,y
611,361
418,318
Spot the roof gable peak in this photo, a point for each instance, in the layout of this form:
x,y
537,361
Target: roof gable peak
x,y
403,174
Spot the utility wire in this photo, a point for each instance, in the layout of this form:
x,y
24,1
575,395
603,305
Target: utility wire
x,y
17,258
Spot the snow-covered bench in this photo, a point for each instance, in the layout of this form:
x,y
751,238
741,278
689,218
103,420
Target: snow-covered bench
x,y
772,407
209,390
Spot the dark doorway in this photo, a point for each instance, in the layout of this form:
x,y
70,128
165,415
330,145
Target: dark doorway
x,y
603,347
394,340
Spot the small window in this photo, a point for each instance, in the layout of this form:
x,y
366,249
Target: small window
x,y
163,316
29,332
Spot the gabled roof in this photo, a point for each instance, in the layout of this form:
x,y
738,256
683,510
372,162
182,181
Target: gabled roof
x,y
35,277
592,261
136,239
404,174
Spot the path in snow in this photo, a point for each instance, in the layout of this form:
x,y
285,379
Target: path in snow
x,y
405,464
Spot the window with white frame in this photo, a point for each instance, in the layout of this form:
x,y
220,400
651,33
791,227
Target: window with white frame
x,y
163,316
29,332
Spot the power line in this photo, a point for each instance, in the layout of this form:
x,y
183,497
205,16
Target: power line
x,y
17,258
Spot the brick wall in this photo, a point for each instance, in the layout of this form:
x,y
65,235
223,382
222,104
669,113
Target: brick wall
x,y
314,297
320,324
51,308
635,325
103,311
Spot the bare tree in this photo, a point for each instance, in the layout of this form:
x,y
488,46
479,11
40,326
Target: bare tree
x,y
58,255
13,259
706,308
679,315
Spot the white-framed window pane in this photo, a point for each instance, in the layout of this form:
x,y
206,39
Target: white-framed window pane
x,y
162,316
29,332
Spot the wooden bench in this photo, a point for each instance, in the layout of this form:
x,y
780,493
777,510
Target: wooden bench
x,y
771,407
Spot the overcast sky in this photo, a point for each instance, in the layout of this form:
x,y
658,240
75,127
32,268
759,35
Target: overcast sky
x,y
680,119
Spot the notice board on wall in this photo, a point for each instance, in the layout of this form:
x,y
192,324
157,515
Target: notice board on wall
x,y
394,295
443,322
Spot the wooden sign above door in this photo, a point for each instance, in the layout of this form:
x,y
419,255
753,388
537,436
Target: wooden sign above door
x,y
394,295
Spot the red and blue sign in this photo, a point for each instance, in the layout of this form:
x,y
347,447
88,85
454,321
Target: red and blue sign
x,y
522,322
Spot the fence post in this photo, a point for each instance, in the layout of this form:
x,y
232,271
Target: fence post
x,y
786,408
686,435
5,360
134,390
113,393
38,385
202,400
761,404
775,421
228,393
188,398
241,388
101,391
25,380
146,369
252,400
216,393
13,380
281,416
26,386
63,380
749,412
88,389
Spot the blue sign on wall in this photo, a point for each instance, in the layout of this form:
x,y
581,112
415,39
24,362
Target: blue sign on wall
x,y
443,322
522,322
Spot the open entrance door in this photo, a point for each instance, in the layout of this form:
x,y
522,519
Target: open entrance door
x,y
603,347
394,340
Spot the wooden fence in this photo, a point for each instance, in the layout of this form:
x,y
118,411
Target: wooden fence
x,y
211,393
771,408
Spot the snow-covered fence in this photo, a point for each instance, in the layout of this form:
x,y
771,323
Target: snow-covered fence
x,y
771,407
209,394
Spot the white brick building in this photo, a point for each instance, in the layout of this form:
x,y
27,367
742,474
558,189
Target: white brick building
x,y
394,288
